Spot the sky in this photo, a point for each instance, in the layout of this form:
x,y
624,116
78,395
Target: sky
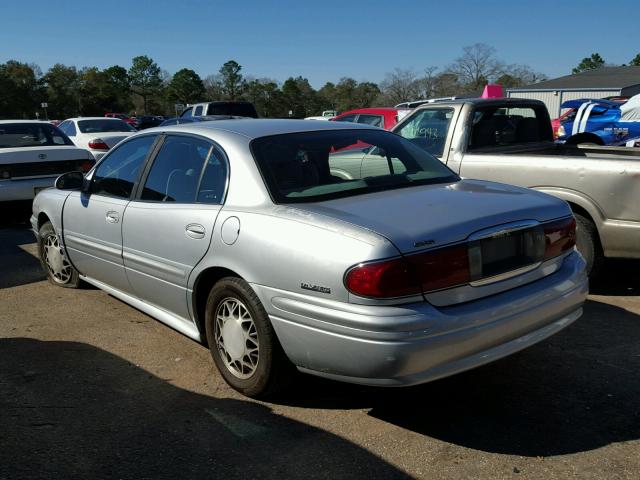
x,y
320,40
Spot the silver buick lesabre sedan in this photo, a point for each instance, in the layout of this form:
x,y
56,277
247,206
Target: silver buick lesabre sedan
x,y
343,251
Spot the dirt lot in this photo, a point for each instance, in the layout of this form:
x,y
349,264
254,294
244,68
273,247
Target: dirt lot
x,y
92,388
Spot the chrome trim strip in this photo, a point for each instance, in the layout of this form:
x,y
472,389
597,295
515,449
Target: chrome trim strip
x,y
505,275
503,229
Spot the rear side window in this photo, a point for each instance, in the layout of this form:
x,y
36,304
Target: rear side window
x,y
116,175
347,118
186,170
375,120
198,111
428,129
16,135
509,126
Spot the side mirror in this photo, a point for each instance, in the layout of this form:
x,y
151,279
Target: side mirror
x,y
70,181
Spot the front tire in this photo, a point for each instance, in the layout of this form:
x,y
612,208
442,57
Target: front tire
x,y
242,341
54,261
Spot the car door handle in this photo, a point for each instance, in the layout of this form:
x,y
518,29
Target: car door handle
x,y
113,217
195,230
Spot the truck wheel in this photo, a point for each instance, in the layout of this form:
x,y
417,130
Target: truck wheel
x,y
242,341
588,244
54,261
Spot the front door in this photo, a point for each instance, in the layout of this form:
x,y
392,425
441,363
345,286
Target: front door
x,y
92,221
167,228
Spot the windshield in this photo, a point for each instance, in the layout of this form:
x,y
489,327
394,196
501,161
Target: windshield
x,y
106,125
15,135
313,166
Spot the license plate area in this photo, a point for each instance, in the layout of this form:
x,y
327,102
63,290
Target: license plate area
x,y
504,252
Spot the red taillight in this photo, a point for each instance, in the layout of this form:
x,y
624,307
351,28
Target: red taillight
x,y
86,166
98,144
385,279
443,268
411,275
560,236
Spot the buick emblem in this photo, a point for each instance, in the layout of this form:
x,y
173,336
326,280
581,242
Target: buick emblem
x,y
42,156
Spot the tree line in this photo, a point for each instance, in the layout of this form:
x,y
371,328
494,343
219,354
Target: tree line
x,y
145,88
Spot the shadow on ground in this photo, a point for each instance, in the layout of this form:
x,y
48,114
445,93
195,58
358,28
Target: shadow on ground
x,y
574,392
17,266
619,277
70,410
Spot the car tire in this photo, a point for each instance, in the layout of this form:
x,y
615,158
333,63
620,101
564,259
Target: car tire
x,y
242,341
588,244
53,259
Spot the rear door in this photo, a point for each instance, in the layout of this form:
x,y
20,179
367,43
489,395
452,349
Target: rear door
x,y
167,228
92,221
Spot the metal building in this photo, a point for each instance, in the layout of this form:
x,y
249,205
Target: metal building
x,y
599,83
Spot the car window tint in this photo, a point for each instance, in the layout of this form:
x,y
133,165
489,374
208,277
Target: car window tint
x,y
16,135
176,170
494,126
428,129
104,125
214,179
116,175
375,120
198,111
71,129
347,118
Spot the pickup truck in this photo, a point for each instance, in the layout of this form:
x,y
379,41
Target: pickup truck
x,y
32,155
510,140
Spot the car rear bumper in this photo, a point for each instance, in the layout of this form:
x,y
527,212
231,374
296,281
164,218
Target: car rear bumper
x,y
416,343
14,190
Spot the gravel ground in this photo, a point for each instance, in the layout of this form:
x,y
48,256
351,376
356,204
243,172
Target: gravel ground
x,y
92,388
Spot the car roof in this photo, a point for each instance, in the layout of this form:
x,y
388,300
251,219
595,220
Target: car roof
x,y
484,102
259,127
108,119
5,122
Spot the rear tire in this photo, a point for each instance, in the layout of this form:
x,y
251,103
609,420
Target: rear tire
x,y
54,260
588,244
242,341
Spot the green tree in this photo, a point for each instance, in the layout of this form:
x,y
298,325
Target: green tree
x,y
589,63
21,90
231,80
300,98
63,91
186,86
635,61
117,85
266,96
145,80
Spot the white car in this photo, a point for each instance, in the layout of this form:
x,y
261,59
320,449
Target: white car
x,y
32,155
96,134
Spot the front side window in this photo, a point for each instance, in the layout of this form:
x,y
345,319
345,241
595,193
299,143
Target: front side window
x,y
117,173
198,111
187,113
179,169
428,129
315,166
17,135
375,120
104,125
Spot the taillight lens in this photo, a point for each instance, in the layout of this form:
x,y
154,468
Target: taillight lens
x,y
86,166
385,279
560,236
411,275
98,144
443,268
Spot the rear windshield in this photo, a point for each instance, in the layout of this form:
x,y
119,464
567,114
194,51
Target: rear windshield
x,y
99,126
313,166
493,126
15,135
237,109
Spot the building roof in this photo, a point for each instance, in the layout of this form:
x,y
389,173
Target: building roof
x,y
600,78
